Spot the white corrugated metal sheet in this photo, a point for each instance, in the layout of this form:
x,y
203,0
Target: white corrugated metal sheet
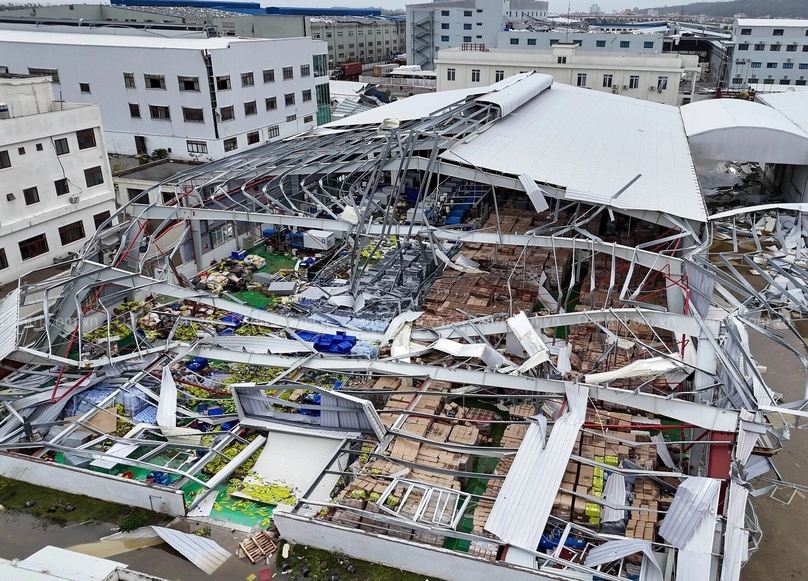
x,y
593,144
695,561
397,324
755,466
12,573
516,556
614,493
523,506
534,193
616,550
9,318
792,104
693,500
736,538
281,459
510,98
68,564
663,452
739,129
274,345
167,406
748,435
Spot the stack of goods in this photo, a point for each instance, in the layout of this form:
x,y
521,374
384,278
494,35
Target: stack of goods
x,y
481,419
513,436
643,523
439,432
522,411
484,550
481,514
464,434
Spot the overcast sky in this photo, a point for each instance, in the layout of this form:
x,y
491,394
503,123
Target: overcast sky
x,y
556,6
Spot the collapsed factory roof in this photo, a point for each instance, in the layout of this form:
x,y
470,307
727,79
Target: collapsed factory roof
x,y
438,334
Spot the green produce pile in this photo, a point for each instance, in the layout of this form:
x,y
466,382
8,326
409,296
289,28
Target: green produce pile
x,y
214,466
244,373
129,307
269,493
102,332
186,333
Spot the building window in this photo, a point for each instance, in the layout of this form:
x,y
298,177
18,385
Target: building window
x,y
788,65
662,84
86,138
5,161
792,48
467,26
600,43
625,44
760,47
52,73
562,60
290,118
498,76
634,82
288,73
475,75
84,87
514,41
771,65
775,48
133,194
39,147
271,103
221,234
306,95
785,82
99,219
777,32
467,13
250,108
129,80
93,176
273,131
230,144
31,196
253,137
228,113
755,64
188,83
223,83
444,26
62,187
768,81
805,48
134,110
746,31
444,39
197,146
800,82
159,112
607,80
444,13
3,259
60,145
531,42
33,247
70,233
648,44
753,80
290,99
269,75
308,118
193,115
247,79
305,70
581,80
804,65
743,46
737,80
155,81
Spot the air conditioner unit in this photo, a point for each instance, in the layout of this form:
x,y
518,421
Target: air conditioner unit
x,y
73,199
625,87
614,89
652,88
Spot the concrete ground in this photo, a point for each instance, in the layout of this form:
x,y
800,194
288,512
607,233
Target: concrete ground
x,y
783,553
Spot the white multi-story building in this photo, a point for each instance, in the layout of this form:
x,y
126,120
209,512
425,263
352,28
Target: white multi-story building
x,y
595,41
368,39
768,51
55,174
651,77
443,24
198,98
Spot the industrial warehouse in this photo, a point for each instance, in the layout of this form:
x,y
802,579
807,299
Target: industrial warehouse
x,y
489,333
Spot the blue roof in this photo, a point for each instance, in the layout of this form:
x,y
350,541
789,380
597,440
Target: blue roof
x,y
300,11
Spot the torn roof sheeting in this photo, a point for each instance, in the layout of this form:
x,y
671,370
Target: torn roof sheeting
x,y
693,500
616,550
592,144
510,98
523,506
65,564
695,562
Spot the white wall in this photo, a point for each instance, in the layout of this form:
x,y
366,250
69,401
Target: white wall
x,y
103,486
428,561
528,40
750,66
89,61
41,169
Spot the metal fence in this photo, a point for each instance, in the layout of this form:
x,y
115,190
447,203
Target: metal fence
x,y
400,82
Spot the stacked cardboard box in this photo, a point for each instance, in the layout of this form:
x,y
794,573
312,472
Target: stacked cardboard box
x,y
417,426
433,456
438,432
405,449
481,419
426,538
467,435
522,411
484,550
434,478
513,436
346,518
643,523
481,514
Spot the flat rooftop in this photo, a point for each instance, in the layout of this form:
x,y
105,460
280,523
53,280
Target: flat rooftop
x,y
157,172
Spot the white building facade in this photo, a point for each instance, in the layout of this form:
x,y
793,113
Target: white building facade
x,y
769,52
359,38
597,42
200,98
57,184
651,77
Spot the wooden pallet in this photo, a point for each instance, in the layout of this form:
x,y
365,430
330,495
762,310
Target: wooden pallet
x,y
256,547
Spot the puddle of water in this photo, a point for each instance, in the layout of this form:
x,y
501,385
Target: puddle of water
x,y
107,549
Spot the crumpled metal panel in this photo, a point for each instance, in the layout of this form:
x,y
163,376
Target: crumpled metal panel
x,y
693,500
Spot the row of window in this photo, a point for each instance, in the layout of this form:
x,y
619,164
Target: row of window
x,y
253,137
775,32
598,43
92,177
759,65
772,47
85,139
634,80
38,245
361,32
362,45
466,13
753,81
192,83
193,115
